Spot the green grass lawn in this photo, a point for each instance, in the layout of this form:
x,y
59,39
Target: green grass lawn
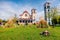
x,y
28,33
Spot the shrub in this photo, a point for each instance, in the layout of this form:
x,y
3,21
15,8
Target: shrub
x,y
42,24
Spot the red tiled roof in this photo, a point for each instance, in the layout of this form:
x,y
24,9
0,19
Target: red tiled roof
x,y
24,12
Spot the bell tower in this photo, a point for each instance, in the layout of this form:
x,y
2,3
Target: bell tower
x,y
47,11
33,15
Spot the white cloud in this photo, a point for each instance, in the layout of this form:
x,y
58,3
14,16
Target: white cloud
x,y
8,9
58,5
40,14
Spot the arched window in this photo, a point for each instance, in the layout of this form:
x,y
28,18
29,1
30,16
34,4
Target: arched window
x,y
20,21
25,14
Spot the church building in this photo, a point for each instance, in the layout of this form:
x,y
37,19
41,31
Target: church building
x,y
26,17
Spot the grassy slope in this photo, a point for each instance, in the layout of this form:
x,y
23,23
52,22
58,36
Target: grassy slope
x,y
28,33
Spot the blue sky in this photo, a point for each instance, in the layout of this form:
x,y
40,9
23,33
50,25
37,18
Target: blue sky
x,y
10,7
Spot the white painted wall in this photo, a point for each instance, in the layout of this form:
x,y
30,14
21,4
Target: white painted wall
x,y
23,16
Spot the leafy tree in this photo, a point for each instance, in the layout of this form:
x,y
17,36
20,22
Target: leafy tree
x,y
4,21
0,20
54,21
54,16
58,19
